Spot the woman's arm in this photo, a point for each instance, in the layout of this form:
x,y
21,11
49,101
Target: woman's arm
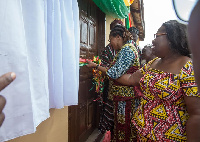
x,y
193,123
94,65
130,79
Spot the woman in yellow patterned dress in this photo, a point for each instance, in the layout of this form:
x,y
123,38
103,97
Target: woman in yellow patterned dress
x,y
126,61
170,102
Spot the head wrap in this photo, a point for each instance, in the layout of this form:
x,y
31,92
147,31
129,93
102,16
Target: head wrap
x,y
115,22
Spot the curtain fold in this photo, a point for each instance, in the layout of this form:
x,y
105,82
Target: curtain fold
x,y
64,45
75,10
33,13
57,79
39,41
22,40
70,66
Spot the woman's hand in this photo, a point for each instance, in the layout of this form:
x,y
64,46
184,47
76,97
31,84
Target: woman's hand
x,y
91,64
94,65
5,80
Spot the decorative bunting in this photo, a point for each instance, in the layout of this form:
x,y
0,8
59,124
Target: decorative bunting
x,y
114,8
128,2
83,62
128,21
98,78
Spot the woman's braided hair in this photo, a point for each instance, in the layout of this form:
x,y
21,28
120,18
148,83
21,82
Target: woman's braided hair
x,y
121,31
177,36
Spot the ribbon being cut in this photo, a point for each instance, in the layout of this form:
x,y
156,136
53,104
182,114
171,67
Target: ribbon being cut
x,y
98,78
83,62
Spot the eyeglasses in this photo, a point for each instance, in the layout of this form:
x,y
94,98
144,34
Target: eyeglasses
x,y
159,34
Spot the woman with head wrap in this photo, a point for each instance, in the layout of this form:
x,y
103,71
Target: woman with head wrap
x,y
126,61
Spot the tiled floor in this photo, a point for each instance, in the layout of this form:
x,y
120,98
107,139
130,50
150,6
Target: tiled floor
x,y
93,136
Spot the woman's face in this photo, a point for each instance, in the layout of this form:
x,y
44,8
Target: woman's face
x,y
116,42
161,43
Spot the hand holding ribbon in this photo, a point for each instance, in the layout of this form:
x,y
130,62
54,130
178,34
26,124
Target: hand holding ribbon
x,y
95,59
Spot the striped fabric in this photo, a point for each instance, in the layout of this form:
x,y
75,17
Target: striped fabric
x,y
107,56
107,116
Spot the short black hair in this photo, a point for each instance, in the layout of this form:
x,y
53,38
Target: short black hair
x,y
121,31
177,36
133,29
118,30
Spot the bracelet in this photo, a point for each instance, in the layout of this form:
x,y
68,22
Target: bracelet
x,y
97,67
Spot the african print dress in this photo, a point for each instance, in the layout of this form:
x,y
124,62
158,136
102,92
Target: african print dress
x,y
162,114
106,114
126,61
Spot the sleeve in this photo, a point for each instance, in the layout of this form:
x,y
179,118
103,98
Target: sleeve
x,y
107,56
143,69
104,59
187,81
125,60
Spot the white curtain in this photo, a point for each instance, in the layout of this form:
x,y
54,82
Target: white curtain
x,y
63,52
39,41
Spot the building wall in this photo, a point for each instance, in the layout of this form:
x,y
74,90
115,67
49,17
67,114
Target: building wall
x,y
54,129
109,19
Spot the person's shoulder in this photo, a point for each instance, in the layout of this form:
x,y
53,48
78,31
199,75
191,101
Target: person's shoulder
x,y
186,67
130,43
184,61
108,46
128,47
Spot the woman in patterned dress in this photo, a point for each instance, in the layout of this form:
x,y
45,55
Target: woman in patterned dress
x,y
126,61
170,102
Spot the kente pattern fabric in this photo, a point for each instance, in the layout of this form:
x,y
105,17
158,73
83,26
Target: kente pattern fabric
x,y
106,114
107,117
162,114
126,61
107,56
